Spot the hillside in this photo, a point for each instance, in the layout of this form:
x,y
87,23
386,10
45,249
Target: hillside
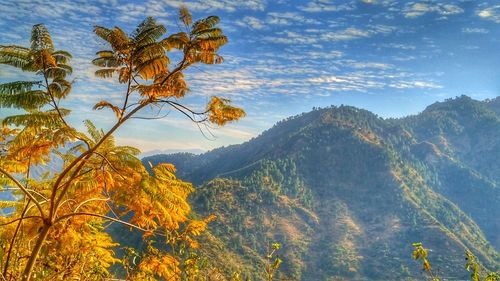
x,y
347,192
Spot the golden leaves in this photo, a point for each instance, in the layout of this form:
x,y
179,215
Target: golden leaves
x,y
196,227
185,16
151,68
103,104
164,266
175,41
220,112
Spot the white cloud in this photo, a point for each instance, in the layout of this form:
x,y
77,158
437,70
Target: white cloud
x,y
415,84
224,5
475,30
327,6
413,10
352,33
289,18
363,65
490,13
251,22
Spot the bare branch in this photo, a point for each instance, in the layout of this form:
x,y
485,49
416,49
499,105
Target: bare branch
x,y
25,191
109,163
90,200
21,218
107,218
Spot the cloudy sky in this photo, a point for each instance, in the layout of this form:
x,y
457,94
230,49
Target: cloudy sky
x,y
284,57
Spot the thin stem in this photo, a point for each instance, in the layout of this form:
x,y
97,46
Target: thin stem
x,y
90,200
14,236
25,191
127,95
83,158
106,218
20,219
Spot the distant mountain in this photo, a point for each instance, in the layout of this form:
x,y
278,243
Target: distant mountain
x,y
169,151
347,192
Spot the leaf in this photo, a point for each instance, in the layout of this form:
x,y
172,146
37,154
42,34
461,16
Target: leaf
x,y
220,112
175,41
8,204
41,39
105,73
25,100
103,104
426,265
204,24
185,16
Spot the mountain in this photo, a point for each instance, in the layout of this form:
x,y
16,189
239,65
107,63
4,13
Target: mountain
x,y
347,192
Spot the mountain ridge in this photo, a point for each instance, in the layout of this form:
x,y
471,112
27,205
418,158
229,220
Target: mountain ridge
x,y
375,186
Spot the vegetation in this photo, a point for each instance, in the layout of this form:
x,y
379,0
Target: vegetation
x,y
472,265
346,192
55,228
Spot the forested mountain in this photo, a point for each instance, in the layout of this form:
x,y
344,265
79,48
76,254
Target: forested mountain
x,y
347,192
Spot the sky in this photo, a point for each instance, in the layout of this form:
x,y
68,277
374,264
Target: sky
x,y
283,58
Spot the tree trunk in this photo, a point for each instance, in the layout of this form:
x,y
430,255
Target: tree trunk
x,y
34,254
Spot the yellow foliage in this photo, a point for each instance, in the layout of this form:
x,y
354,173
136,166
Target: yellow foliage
x,y
220,112
166,267
56,230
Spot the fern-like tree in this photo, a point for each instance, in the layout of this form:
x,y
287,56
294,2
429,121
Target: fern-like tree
x,y
55,226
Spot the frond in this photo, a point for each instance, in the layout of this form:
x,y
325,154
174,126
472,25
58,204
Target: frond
x,y
149,69
127,150
211,33
103,104
15,56
36,119
8,204
147,52
118,40
174,87
105,54
124,75
61,57
40,39
18,86
185,16
103,32
220,111
60,88
175,41
206,57
21,95
28,100
106,62
59,71
204,24
105,73
95,133
147,32
62,53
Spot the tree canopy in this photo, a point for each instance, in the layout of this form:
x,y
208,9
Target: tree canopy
x,y
55,227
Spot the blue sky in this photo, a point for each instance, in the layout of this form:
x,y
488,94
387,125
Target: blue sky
x,y
283,58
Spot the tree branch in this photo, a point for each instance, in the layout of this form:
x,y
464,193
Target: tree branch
x,y
90,200
84,157
25,191
21,218
107,218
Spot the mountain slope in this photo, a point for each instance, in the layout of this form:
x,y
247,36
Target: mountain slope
x,y
346,192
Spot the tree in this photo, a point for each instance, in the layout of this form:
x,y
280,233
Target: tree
x,y
477,273
56,225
